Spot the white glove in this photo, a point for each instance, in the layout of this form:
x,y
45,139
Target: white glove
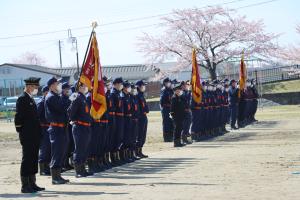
x,y
71,122
73,96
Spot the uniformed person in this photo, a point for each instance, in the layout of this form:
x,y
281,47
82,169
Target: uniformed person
x,y
186,96
143,120
65,98
28,127
79,113
254,101
57,117
135,122
233,103
117,114
127,122
177,113
45,146
165,106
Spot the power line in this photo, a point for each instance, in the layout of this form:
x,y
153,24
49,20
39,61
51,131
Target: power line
x,y
112,23
137,27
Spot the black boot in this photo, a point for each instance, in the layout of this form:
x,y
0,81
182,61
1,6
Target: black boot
x,y
86,173
177,143
141,153
56,177
91,166
44,169
32,180
26,186
78,171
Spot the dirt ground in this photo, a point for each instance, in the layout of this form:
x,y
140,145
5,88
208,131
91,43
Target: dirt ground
x,y
261,162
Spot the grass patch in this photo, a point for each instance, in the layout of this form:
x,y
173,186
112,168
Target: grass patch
x,y
282,87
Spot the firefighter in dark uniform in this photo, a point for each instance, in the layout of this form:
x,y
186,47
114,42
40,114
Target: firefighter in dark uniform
x,y
117,114
45,146
79,114
65,98
105,127
28,127
135,122
143,120
57,117
165,106
186,96
177,113
233,103
127,122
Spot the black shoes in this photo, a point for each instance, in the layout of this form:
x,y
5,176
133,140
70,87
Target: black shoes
x,y
29,184
56,177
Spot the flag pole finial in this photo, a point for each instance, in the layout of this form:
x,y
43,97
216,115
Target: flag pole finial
x,y
94,25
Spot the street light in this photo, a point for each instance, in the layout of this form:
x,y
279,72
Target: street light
x,y
73,40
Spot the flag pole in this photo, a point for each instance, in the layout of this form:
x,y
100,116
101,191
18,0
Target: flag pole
x,y
94,25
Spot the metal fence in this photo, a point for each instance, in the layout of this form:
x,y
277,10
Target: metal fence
x,y
270,75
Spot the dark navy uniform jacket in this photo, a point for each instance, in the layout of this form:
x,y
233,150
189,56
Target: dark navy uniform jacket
x,y
142,104
186,96
116,103
54,109
65,101
127,105
233,96
177,108
79,110
41,110
134,106
165,97
27,120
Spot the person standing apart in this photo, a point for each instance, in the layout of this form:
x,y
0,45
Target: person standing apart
x,y
27,124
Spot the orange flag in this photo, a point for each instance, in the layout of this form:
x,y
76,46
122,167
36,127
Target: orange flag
x,y
243,75
91,76
195,82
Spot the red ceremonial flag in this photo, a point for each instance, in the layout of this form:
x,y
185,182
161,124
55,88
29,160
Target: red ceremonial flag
x,y
91,76
195,82
243,75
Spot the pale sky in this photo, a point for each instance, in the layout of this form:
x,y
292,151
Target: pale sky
x,y
117,42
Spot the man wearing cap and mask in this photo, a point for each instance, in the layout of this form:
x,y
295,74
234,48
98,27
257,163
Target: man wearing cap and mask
x,y
117,113
233,103
106,122
177,113
135,122
127,122
143,120
165,106
65,97
28,126
186,96
45,147
79,113
57,117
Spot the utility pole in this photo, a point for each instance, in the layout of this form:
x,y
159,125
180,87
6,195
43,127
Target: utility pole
x,y
59,48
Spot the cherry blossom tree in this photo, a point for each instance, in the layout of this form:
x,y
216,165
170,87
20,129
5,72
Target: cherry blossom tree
x,y
292,52
217,34
30,58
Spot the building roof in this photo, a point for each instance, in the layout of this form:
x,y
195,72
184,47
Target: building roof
x,y
36,68
129,72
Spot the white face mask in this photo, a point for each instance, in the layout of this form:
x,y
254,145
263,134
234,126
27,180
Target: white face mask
x,y
59,88
219,86
188,87
105,90
180,93
248,84
134,92
205,88
168,84
128,89
143,88
227,89
120,87
34,92
214,89
109,86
